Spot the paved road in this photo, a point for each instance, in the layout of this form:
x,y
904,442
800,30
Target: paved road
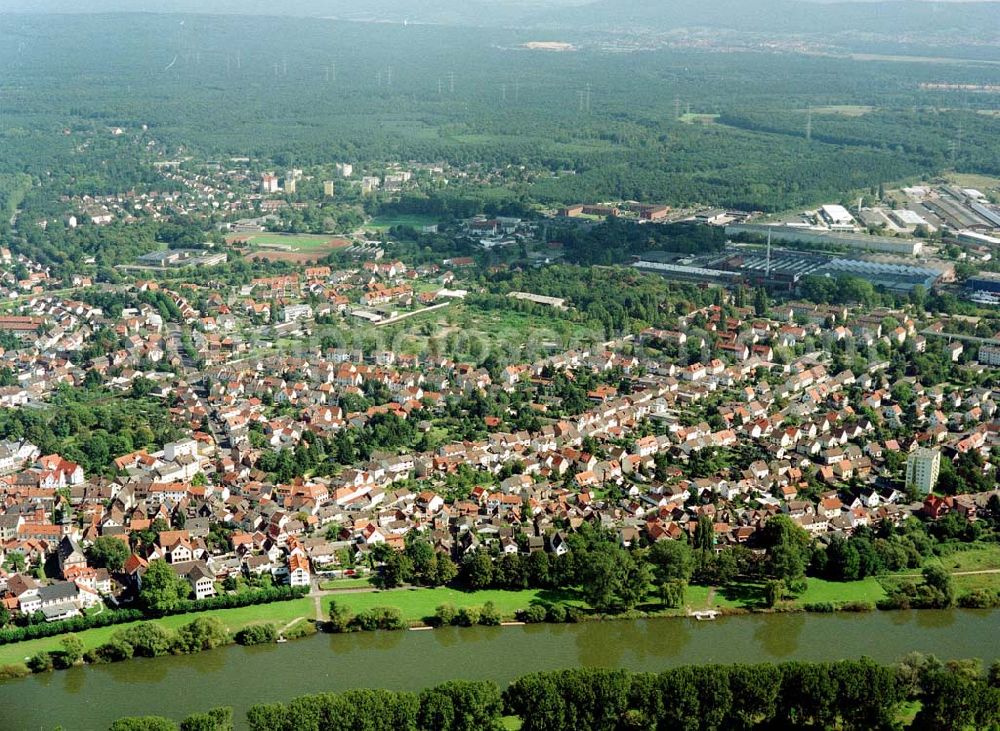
x,y
406,316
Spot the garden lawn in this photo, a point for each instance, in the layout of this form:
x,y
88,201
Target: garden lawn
x,y
417,604
280,613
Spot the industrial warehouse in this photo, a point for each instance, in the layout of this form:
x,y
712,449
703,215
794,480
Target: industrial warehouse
x,y
780,269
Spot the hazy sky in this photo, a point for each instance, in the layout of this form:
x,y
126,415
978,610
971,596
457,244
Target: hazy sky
x,y
298,7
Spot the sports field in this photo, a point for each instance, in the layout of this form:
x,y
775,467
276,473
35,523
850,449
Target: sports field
x,y
296,248
414,220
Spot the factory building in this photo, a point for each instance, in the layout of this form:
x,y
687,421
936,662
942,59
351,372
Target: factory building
x,y
893,277
688,273
984,282
794,234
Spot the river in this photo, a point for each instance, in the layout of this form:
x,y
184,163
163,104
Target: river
x,y
90,698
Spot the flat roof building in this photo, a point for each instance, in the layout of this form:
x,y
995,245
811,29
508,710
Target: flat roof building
x,y
909,219
836,215
978,239
792,234
894,277
984,282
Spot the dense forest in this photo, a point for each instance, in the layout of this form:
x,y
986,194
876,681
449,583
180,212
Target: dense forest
x,y
322,91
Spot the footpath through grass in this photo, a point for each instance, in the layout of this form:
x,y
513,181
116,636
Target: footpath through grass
x,y
280,613
338,584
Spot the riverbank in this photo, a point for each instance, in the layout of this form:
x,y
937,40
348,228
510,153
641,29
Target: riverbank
x,y
972,570
418,605
278,613
175,686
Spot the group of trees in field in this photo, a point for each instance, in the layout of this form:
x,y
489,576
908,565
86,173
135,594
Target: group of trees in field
x,y
321,456
418,564
851,695
614,301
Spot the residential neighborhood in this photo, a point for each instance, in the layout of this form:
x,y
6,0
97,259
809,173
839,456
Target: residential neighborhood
x,y
250,487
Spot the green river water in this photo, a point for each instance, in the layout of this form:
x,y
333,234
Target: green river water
x,y
90,698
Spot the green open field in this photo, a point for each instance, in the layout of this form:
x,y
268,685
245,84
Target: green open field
x,y
416,604
984,183
294,242
280,613
697,597
750,594
819,590
692,118
510,332
976,582
983,557
500,328
843,110
963,584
